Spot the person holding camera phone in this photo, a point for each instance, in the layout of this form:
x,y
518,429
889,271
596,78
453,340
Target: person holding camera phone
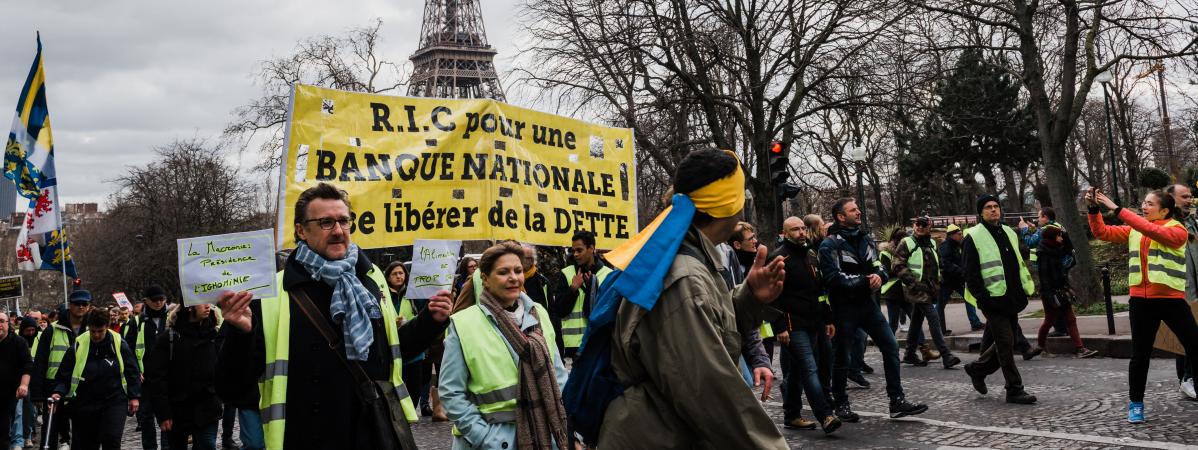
x,y
1155,277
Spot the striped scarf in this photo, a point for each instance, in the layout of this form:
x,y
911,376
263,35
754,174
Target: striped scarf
x,y
352,306
540,416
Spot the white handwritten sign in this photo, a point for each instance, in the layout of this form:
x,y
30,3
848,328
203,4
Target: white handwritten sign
x,y
433,266
211,265
122,300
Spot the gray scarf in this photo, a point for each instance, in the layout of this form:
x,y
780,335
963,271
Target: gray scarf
x,y
352,305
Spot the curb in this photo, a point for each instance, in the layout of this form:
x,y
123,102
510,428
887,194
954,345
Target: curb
x,y
1106,345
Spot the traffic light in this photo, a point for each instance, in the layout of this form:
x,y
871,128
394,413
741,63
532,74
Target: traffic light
x,y
779,165
780,171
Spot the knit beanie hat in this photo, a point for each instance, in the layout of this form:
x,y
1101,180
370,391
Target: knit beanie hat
x,y
984,199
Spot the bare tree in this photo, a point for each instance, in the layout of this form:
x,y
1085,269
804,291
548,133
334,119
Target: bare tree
x,y
352,62
189,190
1055,44
737,74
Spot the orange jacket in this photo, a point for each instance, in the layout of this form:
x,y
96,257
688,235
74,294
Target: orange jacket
x,y
1174,237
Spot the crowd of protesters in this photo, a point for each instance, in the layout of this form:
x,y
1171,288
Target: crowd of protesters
x,y
341,358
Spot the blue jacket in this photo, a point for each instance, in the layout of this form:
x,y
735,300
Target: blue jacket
x,y
846,258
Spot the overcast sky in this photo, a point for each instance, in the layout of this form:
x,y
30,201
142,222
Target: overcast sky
x,y
124,76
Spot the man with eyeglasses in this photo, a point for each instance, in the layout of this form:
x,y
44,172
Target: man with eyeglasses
x,y
917,266
49,349
305,379
151,323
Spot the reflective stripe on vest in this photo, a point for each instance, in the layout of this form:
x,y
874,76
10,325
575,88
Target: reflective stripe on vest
x,y
276,333
575,324
493,376
83,345
60,343
990,263
1166,266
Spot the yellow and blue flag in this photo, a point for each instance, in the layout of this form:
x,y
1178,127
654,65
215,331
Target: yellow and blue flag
x,y
29,163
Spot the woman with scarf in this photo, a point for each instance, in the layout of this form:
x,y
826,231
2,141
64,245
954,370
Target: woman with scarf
x,y
502,396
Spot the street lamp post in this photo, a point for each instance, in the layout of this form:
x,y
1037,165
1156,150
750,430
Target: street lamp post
x,y
857,155
1104,78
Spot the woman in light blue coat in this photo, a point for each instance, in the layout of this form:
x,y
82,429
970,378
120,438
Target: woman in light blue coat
x,y
499,396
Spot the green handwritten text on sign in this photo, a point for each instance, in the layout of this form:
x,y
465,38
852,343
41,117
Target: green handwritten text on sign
x,y
211,265
433,264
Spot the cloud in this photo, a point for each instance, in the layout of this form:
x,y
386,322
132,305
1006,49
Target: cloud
x,y
125,76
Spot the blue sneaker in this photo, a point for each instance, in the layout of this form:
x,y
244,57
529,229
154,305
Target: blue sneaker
x,y
1135,412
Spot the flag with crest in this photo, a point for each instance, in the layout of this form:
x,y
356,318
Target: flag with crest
x,y
29,163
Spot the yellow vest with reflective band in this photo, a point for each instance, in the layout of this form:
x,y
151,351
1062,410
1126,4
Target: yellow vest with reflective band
x,y
60,343
276,333
575,324
139,346
890,260
493,375
990,262
83,345
915,261
1166,265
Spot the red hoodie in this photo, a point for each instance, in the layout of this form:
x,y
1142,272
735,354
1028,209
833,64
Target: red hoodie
x,y
1173,237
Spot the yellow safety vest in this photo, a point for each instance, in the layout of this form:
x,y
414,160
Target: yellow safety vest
x,y
889,261
276,331
1166,265
407,309
915,261
60,343
990,262
493,376
575,324
83,345
766,330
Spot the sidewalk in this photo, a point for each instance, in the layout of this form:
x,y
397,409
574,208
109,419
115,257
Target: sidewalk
x,y
1093,330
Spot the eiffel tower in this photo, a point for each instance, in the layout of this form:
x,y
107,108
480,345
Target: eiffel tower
x,y
454,59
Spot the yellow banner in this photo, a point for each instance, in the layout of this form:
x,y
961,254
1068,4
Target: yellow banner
x,y
433,168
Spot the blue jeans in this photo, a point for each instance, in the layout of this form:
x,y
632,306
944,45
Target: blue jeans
x,y
16,428
850,318
202,438
857,359
745,372
252,437
807,347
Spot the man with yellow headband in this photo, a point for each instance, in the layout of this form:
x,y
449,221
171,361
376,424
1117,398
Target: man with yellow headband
x,y
676,353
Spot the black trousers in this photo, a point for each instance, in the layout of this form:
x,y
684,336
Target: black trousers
x,y
7,407
99,429
1146,315
1000,353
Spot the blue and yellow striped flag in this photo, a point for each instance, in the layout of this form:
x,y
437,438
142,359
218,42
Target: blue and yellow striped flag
x,y
29,163
29,153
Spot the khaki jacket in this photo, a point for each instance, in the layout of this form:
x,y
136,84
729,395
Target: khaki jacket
x,y
680,361
926,289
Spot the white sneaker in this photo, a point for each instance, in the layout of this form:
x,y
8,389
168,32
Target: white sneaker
x,y
64,446
1187,387
904,327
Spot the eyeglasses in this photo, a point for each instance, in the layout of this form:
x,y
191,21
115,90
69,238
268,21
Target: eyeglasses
x,y
326,223
156,299
80,304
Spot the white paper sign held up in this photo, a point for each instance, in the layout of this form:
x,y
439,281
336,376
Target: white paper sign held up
x,y
433,265
211,265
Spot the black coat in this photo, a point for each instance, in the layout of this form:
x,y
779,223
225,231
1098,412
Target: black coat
x,y
952,264
323,406
180,374
101,385
1015,299
802,288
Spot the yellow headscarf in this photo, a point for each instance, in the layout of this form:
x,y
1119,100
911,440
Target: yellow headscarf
x,y
721,198
724,197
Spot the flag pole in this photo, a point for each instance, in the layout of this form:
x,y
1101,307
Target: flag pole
x,y
62,248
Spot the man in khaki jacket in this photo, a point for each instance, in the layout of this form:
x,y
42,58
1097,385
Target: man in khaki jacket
x,y
679,360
